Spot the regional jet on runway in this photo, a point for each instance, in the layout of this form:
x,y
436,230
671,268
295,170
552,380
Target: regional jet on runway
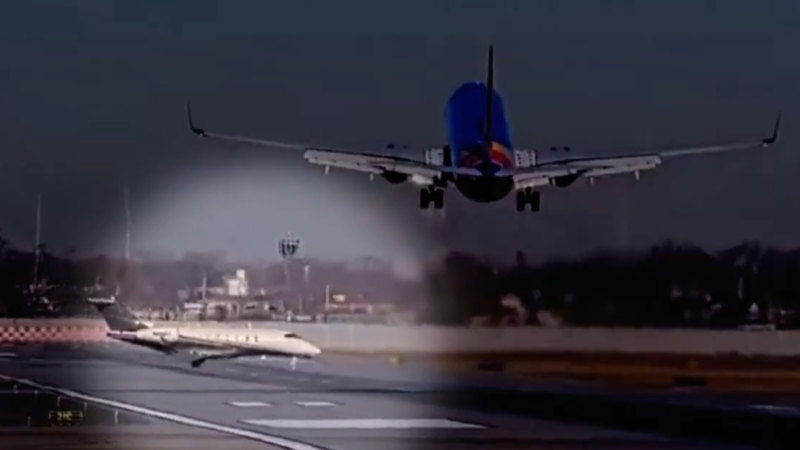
x,y
206,342
479,158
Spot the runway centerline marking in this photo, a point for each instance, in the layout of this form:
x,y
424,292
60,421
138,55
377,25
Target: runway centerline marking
x,y
314,404
364,424
250,404
282,442
776,409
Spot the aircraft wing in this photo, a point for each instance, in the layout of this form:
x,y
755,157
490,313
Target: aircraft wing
x,y
367,162
565,171
420,172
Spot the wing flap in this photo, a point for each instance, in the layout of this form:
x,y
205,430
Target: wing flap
x,y
544,173
378,164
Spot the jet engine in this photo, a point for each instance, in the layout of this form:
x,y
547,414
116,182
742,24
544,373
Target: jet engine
x,y
394,177
565,180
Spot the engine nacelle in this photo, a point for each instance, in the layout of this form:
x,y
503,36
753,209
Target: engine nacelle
x,y
525,158
394,177
435,156
565,180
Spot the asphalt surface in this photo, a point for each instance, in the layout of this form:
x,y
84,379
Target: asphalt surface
x,y
118,396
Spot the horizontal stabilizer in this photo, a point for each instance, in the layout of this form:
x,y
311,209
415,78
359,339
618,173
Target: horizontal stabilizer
x,y
117,316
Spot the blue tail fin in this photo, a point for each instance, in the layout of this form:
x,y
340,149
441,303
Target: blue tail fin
x,y
487,141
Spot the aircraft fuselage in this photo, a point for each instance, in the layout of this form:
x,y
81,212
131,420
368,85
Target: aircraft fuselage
x,y
465,118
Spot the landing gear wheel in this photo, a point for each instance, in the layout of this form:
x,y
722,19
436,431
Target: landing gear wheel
x,y
529,197
438,198
424,198
535,199
431,195
198,362
521,201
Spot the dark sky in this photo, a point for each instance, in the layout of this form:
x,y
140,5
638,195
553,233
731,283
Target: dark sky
x,y
92,97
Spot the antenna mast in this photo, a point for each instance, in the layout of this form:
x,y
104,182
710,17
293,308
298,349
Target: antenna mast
x,y
126,193
37,245
127,256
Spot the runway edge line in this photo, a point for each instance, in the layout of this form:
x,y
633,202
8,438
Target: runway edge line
x,y
176,418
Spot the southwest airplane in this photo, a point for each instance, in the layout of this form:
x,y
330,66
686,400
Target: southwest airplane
x,y
479,158
206,342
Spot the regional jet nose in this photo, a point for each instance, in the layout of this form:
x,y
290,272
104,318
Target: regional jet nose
x,y
312,350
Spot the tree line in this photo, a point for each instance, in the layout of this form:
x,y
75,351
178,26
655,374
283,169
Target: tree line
x,y
667,285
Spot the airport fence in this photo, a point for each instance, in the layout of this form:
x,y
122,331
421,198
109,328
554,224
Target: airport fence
x,y
14,331
430,339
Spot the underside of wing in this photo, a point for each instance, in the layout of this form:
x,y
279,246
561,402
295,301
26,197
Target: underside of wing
x,y
393,168
563,172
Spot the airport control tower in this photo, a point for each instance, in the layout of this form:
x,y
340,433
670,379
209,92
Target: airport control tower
x,y
289,250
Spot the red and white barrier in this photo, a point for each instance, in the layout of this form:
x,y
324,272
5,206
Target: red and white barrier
x,y
51,330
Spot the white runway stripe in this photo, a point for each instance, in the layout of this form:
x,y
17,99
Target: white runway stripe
x,y
363,424
7,355
281,442
249,404
776,409
315,403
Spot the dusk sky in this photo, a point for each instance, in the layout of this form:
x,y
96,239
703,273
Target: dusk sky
x,y
92,99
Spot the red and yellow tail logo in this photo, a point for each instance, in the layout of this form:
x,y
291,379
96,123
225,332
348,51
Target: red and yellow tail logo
x,y
498,154
501,155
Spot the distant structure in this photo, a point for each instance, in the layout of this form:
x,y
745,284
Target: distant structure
x,y
236,286
288,249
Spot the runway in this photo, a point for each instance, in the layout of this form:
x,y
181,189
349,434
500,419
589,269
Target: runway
x,y
135,398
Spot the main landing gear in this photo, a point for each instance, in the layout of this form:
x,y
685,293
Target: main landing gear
x,y
430,195
529,197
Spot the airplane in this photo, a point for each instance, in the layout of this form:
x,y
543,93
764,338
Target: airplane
x,y
206,342
479,158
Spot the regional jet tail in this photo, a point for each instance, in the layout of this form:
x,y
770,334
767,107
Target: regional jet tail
x,y
479,158
207,342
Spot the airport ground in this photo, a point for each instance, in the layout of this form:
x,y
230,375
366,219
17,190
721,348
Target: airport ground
x,y
110,395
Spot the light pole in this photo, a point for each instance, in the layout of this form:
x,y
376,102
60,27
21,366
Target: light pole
x,y
38,245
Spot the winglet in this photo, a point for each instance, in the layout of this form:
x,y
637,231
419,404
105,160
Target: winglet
x,y
195,130
771,140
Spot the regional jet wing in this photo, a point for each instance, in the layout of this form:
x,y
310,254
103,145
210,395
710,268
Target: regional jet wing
x,y
567,170
367,162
